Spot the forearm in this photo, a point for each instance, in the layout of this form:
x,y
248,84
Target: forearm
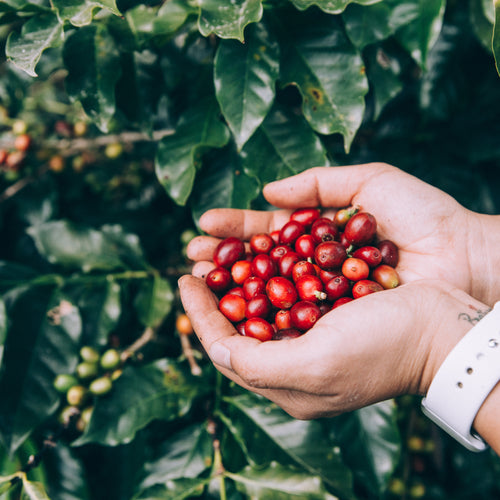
x,y
484,258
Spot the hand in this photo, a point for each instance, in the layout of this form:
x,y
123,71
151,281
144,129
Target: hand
x,y
371,349
437,237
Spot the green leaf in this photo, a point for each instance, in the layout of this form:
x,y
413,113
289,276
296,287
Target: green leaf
x,y
276,482
228,20
496,36
318,58
154,301
33,490
330,6
283,145
3,328
223,183
42,342
245,76
270,432
179,155
371,444
93,62
185,454
80,12
39,33
482,18
419,24
159,390
171,16
71,246
178,489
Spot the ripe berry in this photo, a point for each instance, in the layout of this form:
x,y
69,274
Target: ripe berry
x,y
258,307
3,156
389,252
365,287
237,290
386,276
22,142
355,269
287,333
261,243
110,359
290,232
233,307
343,216
228,251
100,386
303,268
279,251
240,271
323,229
371,255
341,301
304,314
218,279
63,382
259,328
310,288
337,287
361,228
305,246
76,395
282,319
306,216
330,255
287,262
253,286
281,292
88,353
264,267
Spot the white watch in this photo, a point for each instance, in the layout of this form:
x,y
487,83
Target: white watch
x,y
464,380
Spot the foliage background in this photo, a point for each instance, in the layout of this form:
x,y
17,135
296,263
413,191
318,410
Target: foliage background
x,y
143,115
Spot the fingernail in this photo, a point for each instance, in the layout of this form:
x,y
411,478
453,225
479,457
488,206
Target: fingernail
x,y
220,355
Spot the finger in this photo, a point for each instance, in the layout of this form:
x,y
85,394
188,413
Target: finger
x,y
202,268
243,224
202,248
323,186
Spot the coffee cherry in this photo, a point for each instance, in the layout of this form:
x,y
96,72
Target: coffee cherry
x,y
241,270
290,232
371,255
310,288
330,255
86,370
182,324
77,395
218,279
279,251
287,333
237,290
365,287
341,301
303,268
263,267
355,269
261,243
361,228
229,251
233,307
287,262
389,252
63,382
89,354
3,156
386,276
343,216
323,229
305,246
110,359
282,319
23,142
258,307
306,216
337,287
259,328
281,292
304,315
100,386
253,286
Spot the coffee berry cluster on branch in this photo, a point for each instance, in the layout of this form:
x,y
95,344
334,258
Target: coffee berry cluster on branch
x,y
280,283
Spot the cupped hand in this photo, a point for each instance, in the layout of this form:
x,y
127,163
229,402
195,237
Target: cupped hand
x,y
434,233
371,349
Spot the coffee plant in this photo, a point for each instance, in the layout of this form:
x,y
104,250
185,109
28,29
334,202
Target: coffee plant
x,y
121,122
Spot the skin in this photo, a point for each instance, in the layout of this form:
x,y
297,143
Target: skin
x,y
376,347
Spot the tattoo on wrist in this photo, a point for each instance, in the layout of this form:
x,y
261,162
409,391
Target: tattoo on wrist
x,y
475,316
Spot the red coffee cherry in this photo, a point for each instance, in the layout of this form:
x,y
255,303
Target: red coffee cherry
x,y
330,255
233,307
259,328
365,287
303,268
355,269
305,246
240,271
229,251
389,252
386,276
337,287
341,302
253,286
323,229
310,288
281,292
237,290
290,232
343,216
287,262
264,267
282,319
371,255
306,216
218,279
279,251
275,235
326,276
261,243
361,228
287,333
304,315
258,307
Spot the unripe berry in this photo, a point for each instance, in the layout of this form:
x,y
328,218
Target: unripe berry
x,y
89,354
86,370
77,395
100,386
110,359
63,382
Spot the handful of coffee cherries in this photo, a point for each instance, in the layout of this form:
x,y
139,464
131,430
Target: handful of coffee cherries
x,y
279,284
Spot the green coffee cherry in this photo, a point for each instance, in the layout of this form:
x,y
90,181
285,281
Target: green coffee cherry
x,y
63,382
89,354
86,370
83,422
110,359
77,395
100,386
67,413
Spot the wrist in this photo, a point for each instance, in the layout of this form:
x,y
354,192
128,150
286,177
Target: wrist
x,y
484,257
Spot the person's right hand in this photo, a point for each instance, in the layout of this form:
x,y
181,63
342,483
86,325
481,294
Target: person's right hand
x,y
437,237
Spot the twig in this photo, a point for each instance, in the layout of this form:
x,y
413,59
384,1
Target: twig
x,y
147,336
187,350
21,184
